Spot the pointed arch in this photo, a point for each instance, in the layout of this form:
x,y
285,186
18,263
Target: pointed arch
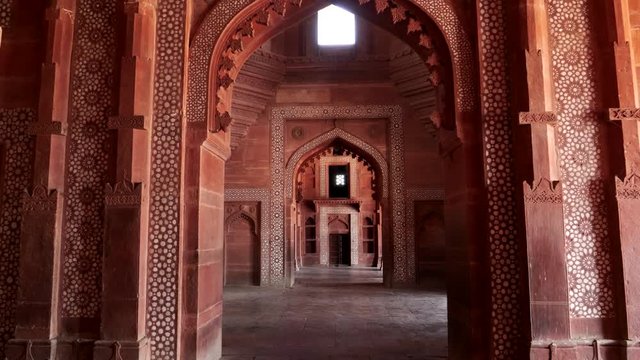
x,y
216,55
243,215
298,157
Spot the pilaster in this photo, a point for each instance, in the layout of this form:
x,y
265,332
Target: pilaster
x,y
627,194
124,273
543,199
38,307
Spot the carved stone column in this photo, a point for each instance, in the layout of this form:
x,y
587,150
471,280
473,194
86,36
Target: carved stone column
x,y
38,306
204,247
124,270
124,279
628,203
627,189
543,200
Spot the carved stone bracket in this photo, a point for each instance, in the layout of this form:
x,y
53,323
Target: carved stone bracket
x,y
529,118
274,12
543,192
629,188
624,114
220,149
40,200
126,122
123,194
47,128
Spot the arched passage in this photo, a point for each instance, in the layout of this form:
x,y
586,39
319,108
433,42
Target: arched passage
x,y
216,57
313,201
241,248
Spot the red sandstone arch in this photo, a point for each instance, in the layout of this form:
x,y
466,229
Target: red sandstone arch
x,y
364,152
206,147
251,220
264,19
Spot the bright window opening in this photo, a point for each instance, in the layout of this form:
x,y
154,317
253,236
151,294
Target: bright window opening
x,y
336,27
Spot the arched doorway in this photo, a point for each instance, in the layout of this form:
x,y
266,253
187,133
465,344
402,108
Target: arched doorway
x,y
259,22
242,247
341,227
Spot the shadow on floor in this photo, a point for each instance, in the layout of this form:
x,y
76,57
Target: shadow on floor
x,y
334,313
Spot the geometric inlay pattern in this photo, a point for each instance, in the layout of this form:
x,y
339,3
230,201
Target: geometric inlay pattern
x,y
282,181
503,246
579,143
18,150
5,13
413,195
164,190
261,196
91,105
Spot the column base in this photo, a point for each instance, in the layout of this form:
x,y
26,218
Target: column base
x,y
30,349
121,350
20,349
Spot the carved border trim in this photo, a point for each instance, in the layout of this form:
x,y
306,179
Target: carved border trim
x,y
624,114
40,200
124,194
543,192
126,122
537,118
629,188
47,128
282,187
323,238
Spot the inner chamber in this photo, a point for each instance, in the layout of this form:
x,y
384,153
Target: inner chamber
x,y
339,233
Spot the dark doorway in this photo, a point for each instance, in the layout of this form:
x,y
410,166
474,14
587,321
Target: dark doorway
x,y
340,249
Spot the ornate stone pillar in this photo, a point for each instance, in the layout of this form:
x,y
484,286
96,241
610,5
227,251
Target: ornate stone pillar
x,y
38,307
124,273
544,225
628,188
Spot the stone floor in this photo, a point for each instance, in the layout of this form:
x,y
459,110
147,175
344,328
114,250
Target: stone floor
x,y
334,314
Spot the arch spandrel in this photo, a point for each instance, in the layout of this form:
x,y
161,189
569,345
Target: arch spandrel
x,y
298,157
207,37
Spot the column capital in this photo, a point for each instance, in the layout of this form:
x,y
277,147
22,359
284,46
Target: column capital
x,y
543,191
123,194
41,199
628,188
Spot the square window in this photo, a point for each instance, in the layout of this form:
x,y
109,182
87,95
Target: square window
x,y
336,27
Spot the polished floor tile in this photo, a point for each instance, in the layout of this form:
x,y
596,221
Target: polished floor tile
x,y
336,313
